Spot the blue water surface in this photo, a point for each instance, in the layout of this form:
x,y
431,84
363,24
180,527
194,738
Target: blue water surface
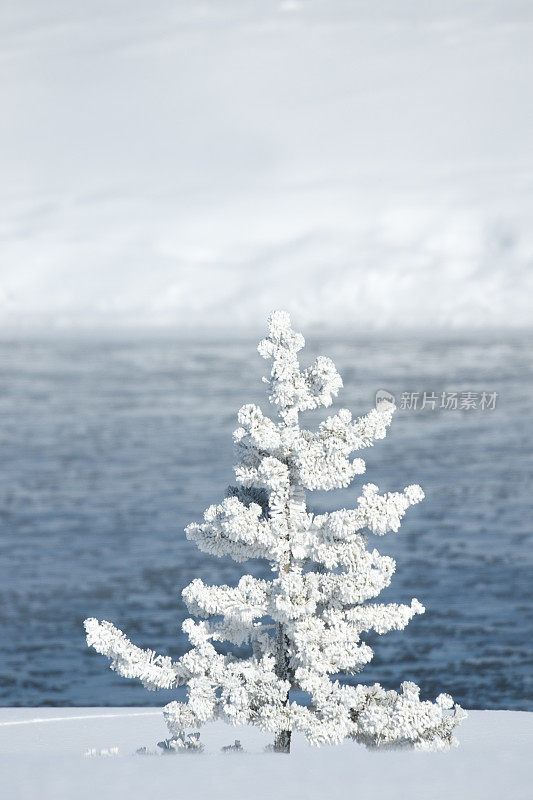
x,y
110,447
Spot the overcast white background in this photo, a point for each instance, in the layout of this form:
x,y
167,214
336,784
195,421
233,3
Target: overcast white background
x,y
196,164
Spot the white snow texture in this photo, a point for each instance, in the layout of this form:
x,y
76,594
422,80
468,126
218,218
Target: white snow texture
x,y
42,755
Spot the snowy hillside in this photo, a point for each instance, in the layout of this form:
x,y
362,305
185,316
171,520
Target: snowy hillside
x,y
366,163
42,755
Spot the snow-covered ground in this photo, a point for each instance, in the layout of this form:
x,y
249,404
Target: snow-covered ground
x,y
42,755
361,164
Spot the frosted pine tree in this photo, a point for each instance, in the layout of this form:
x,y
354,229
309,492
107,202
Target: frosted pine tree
x,y
305,624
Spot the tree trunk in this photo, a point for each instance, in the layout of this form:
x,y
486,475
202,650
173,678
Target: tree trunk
x,y
282,742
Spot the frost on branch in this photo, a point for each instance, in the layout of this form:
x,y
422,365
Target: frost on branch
x,y
304,625
129,661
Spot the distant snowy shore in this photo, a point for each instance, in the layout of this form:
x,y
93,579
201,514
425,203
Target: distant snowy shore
x,y
368,163
91,752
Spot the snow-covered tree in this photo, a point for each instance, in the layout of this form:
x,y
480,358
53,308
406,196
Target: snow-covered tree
x,y
305,624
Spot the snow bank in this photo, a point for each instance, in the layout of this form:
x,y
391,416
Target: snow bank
x,y
42,754
368,163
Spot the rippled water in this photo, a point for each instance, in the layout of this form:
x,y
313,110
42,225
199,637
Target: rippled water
x,y
110,448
